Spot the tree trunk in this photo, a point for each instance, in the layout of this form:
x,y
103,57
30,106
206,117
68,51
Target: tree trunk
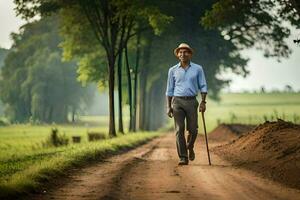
x,y
121,130
143,95
50,114
129,89
148,110
73,114
159,98
135,81
111,79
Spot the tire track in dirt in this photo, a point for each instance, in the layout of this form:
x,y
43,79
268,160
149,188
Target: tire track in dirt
x,y
98,180
151,172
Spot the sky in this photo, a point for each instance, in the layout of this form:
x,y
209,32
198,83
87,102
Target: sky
x,y
263,72
8,22
268,72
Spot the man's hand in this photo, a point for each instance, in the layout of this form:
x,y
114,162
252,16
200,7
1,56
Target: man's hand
x,y
202,106
170,112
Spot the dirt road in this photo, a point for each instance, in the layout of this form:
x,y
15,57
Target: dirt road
x,y
151,172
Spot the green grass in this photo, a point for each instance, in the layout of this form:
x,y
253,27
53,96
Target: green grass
x,y
25,165
252,108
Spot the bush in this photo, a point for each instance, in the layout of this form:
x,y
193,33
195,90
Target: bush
x,y
76,139
95,136
2,123
56,139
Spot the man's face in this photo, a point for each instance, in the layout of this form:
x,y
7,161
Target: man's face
x,y
184,55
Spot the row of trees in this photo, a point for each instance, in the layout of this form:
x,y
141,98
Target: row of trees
x,y
35,84
134,41
110,25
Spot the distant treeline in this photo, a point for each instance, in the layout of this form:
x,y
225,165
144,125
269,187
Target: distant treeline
x,y
35,84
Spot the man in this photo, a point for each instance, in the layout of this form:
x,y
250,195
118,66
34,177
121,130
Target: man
x,y
185,80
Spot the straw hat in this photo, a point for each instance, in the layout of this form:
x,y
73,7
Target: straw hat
x,y
183,46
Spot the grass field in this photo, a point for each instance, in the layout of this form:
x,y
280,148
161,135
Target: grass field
x,y
25,164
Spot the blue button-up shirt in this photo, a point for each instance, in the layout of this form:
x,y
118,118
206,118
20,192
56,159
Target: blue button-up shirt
x,y
186,82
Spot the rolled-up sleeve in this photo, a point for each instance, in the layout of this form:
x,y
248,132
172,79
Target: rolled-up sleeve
x,y
202,81
170,84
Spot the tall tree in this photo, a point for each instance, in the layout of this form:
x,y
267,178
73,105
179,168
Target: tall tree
x,y
136,70
112,22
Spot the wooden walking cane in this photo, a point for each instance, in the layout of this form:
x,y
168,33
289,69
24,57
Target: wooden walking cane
x,y
204,126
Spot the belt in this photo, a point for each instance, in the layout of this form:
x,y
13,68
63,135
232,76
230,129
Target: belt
x,y
186,97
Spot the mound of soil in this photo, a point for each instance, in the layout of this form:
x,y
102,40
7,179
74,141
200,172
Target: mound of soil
x,y
272,149
228,132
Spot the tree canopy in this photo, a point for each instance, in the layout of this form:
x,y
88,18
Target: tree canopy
x,y
36,84
255,23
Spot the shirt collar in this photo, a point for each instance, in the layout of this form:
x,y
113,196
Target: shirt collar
x,y
178,65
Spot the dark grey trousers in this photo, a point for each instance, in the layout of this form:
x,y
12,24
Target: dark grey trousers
x,y
185,109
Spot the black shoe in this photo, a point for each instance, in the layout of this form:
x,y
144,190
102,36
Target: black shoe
x,y
183,161
191,155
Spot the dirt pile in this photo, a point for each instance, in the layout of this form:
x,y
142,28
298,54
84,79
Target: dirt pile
x,y
228,132
272,149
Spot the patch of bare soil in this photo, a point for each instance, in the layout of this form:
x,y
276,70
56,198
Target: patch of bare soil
x,y
228,132
272,149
